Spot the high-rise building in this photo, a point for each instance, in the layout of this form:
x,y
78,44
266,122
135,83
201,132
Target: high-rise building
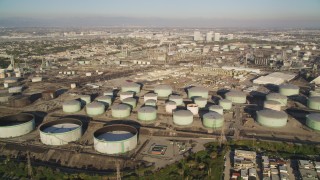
x,y
216,36
230,36
209,36
196,36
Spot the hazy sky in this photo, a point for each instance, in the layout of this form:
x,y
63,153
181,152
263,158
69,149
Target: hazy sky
x,y
231,10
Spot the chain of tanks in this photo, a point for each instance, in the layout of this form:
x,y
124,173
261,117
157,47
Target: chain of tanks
x,y
121,138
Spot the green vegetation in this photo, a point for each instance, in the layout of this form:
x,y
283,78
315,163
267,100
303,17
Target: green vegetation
x,y
206,164
4,62
281,149
18,170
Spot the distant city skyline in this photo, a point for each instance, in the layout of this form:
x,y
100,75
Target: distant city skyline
x,y
229,13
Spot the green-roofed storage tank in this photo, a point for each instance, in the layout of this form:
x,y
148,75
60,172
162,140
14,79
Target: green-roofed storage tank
x,y
132,102
95,108
236,97
182,117
200,101
314,102
272,118
106,100
147,113
130,87
288,89
225,104
313,121
213,120
71,106
216,108
177,99
198,92
163,90
120,110
278,97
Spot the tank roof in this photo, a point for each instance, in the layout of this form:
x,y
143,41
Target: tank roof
x,y
120,107
215,107
163,86
61,125
183,113
71,102
212,115
236,94
94,105
288,86
272,102
198,89
147,109
277,95
314,116
116,132
272,114
12,120
130,84
315,98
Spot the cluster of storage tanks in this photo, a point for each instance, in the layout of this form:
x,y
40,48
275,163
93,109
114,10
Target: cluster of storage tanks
x,y
272,114
111,139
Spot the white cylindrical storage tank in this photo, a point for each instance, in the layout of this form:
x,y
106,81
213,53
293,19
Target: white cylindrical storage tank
x,y
120,110
106,100
152,96
16,125
314,102
200,101
130,87
151,102
163,90
213,120
216,108
313,121
95,108
85,99
36,79
177,99
115,139
198,92
277,97
273,105
17,89
147,114
288,89
124,95
236,97
225,104
314,93
272,118
170,106
60,132
73,85
132,102
71,106
194,108
182,117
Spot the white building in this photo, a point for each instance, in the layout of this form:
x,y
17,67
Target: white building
x,y
230,36
197,36
209,36
216,36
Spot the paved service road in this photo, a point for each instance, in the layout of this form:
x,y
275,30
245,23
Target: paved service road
x,y
228,166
